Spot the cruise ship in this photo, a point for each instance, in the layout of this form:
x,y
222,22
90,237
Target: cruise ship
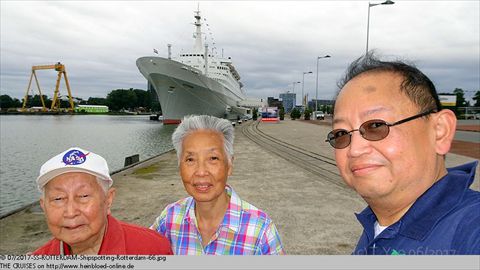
x,y
197,82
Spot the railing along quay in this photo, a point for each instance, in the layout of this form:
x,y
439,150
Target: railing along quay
x,y
322,166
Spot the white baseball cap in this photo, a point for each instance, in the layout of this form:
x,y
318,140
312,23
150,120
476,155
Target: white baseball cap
x,y
74,159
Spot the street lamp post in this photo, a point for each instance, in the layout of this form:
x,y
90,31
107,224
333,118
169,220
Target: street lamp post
x,y
316,82
303,84
388,2
293,91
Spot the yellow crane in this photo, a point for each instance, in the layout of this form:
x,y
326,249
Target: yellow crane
x,y
60,68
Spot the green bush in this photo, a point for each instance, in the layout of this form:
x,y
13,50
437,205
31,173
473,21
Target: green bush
x,y
306,114
281,113
295,114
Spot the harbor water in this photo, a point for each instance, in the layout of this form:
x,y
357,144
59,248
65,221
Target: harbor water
x,y
27,141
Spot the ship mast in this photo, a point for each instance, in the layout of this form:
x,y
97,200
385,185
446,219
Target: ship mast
x,y
198,33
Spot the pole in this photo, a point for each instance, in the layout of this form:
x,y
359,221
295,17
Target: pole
x,y
303,83
388,2
293,91
316,82
368,27
316,88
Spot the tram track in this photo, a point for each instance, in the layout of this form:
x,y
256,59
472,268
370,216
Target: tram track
x,y
322,166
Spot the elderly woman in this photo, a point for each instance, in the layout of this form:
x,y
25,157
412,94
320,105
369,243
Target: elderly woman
x,y
76,199
214,220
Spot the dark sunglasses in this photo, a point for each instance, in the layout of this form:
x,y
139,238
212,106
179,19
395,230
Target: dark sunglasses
x,y
372,130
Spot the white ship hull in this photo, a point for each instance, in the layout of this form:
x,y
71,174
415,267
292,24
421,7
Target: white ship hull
x,y
183,90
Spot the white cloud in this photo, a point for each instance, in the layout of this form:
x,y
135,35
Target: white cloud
x,y
270,42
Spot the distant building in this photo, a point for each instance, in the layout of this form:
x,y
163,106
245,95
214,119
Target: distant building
x,y
92,108
288,101
274,102
301,108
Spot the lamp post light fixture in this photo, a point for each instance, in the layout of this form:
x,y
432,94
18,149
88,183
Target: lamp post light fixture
x,y
316,82
388,2
303,84
293,91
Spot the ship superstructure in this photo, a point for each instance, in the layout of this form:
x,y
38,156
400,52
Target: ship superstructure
x,y
197,82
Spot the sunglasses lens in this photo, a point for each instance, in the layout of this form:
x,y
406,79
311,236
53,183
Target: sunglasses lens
x,y
374,130
339,138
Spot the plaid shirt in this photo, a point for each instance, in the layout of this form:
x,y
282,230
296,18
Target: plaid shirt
x,y
245,230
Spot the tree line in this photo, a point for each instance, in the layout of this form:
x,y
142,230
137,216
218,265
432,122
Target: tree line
x,y
138,99
461,101
117,100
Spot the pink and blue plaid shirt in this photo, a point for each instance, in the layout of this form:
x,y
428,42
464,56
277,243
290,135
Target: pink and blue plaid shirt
x,y
245,230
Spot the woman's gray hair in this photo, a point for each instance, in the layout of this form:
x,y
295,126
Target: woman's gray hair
x,y
192,123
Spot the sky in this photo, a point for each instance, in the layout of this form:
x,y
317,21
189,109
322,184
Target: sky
x,y
271,43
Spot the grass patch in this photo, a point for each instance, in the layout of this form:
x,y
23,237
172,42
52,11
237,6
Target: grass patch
x,y
147,170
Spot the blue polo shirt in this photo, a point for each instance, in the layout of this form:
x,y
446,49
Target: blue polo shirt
x,y
444,220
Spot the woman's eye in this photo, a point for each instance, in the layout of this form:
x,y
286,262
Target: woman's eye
x,y
214,158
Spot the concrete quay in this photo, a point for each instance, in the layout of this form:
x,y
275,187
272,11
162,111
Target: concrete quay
x,y
311,215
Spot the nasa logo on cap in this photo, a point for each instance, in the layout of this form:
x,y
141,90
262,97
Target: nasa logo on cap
x,y
74,157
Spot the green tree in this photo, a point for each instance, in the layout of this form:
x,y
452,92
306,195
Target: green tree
x,y
281,113
35,101
144,98
306,114
295,114
6,102
16,103
155,106
254,113
460,97
121,99
97,101
477,99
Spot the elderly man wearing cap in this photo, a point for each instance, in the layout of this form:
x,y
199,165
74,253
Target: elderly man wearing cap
x,y
76,199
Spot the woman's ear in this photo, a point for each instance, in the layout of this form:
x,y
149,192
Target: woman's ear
x,y
230,167
445,126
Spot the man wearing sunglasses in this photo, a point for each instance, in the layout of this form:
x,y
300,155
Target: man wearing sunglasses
x,y
391,136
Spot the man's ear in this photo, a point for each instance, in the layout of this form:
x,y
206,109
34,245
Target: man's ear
x,y
445,126
42,203
109,199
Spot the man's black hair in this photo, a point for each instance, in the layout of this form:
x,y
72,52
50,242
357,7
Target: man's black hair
x,y
416,85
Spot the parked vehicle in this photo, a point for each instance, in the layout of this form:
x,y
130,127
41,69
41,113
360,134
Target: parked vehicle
x,y
319,115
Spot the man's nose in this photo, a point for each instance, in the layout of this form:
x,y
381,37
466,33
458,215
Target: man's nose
x,y
71,209
358,145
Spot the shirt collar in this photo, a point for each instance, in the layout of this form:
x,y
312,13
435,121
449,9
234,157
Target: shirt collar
x,y
231,219
428,209
114,239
